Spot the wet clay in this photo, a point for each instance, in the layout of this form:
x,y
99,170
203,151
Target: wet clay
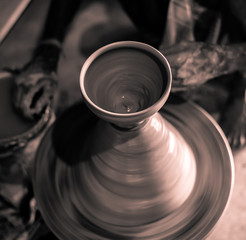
x,y
166,176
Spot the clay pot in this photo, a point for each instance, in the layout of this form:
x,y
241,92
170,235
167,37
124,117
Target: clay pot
x,y
141,161
16,132
19,139
128,168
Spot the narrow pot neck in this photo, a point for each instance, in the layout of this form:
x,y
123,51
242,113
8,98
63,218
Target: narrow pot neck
x,y
130,126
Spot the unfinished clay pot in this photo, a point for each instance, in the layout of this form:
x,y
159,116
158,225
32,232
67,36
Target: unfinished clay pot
x,y
16,131
122,166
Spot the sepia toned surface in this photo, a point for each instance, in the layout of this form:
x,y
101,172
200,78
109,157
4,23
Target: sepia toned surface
x,y
113,178
16,50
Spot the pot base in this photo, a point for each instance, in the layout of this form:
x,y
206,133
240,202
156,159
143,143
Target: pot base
x,y
57,158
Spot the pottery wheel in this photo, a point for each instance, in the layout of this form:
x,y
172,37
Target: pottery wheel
x,y
57,165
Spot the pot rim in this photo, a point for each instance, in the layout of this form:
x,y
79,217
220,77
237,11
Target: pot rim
x,y
127,44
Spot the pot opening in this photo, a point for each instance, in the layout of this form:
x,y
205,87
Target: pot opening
x,y
126,80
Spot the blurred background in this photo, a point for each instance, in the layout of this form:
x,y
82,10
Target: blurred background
x,y
97,23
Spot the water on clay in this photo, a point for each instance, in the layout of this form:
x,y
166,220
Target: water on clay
x,y
128,101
